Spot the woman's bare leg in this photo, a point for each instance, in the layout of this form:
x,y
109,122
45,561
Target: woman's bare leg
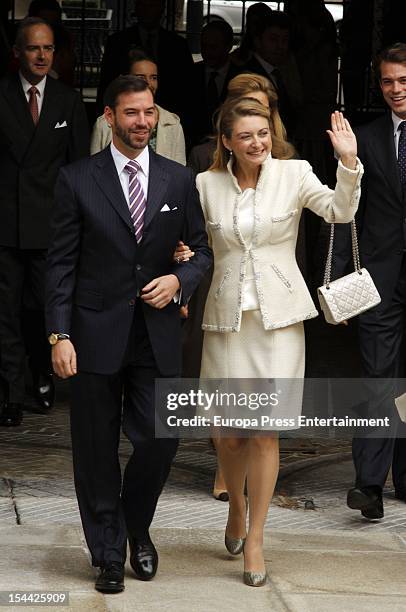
x,y
219,486
232,453
262,473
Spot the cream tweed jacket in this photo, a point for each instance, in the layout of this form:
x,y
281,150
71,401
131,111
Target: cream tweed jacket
x,y
284,188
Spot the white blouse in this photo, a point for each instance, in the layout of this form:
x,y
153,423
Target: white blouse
x,y
246,226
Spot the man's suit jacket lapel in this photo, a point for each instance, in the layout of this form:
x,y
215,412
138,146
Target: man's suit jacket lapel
x,y
383,148
253,65
28,134
105,174
231,73
21,126
157,186
50,111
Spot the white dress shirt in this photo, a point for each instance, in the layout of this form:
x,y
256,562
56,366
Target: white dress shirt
x,y
121,161
246,226
40,86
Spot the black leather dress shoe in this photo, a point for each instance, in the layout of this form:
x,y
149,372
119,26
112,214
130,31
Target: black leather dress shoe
x,y
400,494
11,415
44,391
143,559
368,500
111,578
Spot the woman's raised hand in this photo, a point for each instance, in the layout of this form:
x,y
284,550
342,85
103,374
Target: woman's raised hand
x,y
182,253
343,140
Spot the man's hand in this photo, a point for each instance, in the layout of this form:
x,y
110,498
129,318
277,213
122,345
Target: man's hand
x,y
64,359
160,291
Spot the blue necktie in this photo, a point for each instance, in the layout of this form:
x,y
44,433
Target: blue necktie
x,y
402,152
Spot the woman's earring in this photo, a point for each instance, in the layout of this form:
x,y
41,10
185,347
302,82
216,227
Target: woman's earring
x,y
231,152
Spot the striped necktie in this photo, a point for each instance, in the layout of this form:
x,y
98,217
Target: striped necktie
x,y
136,198
402,152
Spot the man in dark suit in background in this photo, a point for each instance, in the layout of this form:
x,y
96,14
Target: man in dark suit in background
x,y
169,50
271,42
381,221
43,125
114,322
211,76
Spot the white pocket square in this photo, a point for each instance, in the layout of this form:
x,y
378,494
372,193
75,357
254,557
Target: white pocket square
x,y
165,208
60,125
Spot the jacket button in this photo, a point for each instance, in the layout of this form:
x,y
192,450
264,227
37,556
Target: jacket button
x,y
138,267
131,302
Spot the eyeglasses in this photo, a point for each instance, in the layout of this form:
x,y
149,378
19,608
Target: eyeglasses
x,y
39,48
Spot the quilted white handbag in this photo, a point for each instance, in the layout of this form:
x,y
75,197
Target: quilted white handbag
x,y
349,295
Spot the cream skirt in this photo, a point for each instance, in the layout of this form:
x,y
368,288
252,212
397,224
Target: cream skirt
x,y
254,353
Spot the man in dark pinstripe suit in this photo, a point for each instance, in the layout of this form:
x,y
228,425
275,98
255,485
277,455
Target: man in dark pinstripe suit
x,y
113,297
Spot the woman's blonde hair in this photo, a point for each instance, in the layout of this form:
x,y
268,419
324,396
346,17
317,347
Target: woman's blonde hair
x,y
233,109
243,85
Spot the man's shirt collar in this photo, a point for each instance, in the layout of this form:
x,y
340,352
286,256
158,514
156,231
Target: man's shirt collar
x,y
121,160
396,122
26,85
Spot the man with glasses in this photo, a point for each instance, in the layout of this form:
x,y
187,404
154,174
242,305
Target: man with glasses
x,y
43,126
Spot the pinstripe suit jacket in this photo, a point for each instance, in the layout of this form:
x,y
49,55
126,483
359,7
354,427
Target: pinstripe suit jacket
x,y
96,268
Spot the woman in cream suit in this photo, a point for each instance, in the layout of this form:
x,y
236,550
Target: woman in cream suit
x,y
245,85
252,198
168,139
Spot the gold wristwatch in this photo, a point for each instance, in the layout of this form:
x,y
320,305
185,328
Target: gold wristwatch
x,y
54,338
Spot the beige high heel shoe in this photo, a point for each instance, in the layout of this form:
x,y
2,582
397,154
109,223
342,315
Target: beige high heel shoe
x,y
219,493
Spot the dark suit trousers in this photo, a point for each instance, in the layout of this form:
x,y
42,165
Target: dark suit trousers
x,y
22,327
381,335
109,505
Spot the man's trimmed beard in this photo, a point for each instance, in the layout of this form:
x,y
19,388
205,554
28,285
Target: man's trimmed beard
x,y
124,135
